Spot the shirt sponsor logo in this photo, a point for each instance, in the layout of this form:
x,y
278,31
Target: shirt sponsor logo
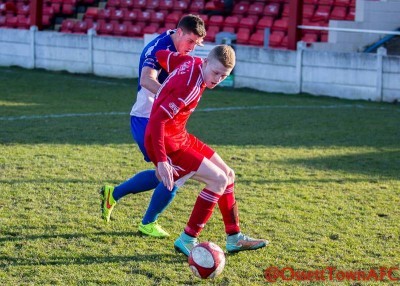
x,y
184,68
173,107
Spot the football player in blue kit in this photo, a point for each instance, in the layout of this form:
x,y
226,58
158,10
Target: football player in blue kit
x,y
189,33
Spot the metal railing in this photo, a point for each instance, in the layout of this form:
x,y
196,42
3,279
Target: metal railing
x,y
396,33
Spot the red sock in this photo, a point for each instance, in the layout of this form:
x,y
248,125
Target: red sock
x,y
201,213
228,207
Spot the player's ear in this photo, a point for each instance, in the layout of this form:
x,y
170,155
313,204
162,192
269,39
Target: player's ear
x,y
205,62
179,31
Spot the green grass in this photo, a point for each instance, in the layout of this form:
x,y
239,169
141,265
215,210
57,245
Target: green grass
x,y
319,177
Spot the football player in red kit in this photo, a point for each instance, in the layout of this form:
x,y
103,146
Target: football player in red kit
x,y
179,155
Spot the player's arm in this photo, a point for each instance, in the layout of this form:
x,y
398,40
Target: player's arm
x,y
148,79
170,60
156,126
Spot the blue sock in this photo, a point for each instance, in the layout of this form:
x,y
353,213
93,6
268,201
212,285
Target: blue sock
x,y
161,198
143,181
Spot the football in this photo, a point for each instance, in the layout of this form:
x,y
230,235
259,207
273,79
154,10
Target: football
x,y
206,260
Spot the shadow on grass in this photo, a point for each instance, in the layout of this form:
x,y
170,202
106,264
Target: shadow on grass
x,y
296,128
303,181
88,260
82,259
50,181
287,120
241,180
13,236
383,164
274,132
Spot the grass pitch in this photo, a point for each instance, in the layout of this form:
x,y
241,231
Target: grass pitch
x,y
318,177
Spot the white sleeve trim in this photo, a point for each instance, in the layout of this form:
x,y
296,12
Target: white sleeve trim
x,y
170,116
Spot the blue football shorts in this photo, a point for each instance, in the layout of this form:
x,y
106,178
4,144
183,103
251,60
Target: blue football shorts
x,y
138,128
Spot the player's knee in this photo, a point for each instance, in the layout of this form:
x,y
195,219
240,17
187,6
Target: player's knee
x,y
231,176
218,183
221,182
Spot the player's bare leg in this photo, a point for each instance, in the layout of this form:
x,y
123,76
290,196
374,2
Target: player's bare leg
x,y
235,240
215,181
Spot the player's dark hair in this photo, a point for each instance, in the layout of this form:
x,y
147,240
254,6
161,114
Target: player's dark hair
x,y
192,24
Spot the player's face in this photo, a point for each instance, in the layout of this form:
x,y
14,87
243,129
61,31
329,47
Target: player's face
x,y
214,73
187,42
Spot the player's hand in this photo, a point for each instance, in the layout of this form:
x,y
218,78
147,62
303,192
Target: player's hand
x,y
167,172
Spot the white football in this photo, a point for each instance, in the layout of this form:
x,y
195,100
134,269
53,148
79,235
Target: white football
x,y
206,260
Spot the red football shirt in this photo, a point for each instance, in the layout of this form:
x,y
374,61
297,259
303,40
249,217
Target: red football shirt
x,y
175,101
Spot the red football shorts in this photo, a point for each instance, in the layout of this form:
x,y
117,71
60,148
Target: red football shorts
x,y
187,161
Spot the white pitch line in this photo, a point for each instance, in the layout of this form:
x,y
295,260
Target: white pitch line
x,y
209,109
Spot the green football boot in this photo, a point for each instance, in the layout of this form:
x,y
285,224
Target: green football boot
x,y
107,202
153,229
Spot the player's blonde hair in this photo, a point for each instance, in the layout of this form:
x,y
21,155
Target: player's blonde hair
x,y
224,54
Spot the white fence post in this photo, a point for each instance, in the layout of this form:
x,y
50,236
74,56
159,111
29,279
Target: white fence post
x,y
299,65
91,33
33,31
379,72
